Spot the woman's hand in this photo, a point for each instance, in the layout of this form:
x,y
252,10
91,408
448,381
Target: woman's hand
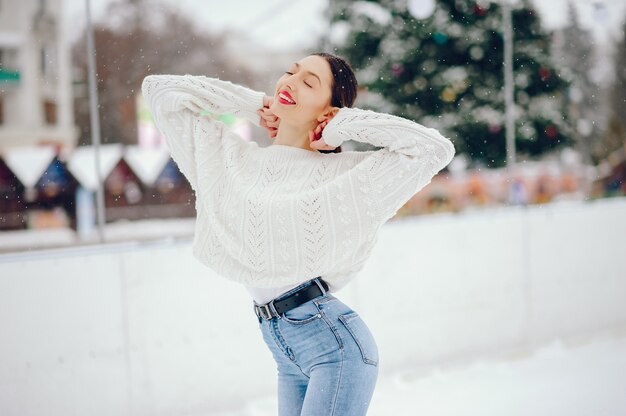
x,y
315,137
269,120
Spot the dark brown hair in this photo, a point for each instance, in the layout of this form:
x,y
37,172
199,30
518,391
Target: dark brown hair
x,y
344,88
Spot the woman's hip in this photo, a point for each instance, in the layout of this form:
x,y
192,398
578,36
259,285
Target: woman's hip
x,y
322,330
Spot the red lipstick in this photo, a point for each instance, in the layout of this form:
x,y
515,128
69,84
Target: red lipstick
x,y
286,94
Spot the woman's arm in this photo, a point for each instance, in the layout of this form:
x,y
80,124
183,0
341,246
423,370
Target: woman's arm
x,y
410,157
179,106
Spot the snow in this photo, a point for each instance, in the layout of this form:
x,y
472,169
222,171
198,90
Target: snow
x,y
507,311
29,163
582,376
557,379
82,163
374,11
147,163
421,9
339,32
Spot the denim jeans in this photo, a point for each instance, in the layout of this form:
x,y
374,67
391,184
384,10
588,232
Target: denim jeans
x,y
326,356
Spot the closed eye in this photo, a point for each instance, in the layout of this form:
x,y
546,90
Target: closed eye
x,y
291,73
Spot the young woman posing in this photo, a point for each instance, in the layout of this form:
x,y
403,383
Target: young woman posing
x,y
295,221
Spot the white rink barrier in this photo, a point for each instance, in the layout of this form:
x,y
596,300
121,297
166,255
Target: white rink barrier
x,y
145,329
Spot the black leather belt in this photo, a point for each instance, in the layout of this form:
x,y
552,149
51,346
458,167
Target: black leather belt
x,y
282,304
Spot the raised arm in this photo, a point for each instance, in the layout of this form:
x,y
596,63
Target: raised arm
x,y
180,106
410,157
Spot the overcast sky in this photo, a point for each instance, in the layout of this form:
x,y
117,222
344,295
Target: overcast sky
x,y
287,24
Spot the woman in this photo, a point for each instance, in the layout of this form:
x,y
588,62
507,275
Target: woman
x,y
295,221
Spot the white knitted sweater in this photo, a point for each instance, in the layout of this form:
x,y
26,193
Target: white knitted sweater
x,y
276,216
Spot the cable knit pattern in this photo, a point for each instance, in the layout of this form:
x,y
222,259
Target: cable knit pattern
x,y
273,217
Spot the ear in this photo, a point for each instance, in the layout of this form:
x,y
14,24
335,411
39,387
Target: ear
x,y
328,114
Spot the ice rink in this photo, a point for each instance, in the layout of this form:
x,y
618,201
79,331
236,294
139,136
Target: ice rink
x,y
518,311
583,376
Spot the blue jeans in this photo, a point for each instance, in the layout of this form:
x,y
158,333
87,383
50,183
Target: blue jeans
x,y
326,356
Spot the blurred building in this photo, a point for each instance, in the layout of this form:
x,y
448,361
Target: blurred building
x,y
36,116
35,75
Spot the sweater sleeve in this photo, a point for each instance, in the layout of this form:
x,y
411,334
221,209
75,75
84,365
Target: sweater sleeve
x,y
410,157
179,106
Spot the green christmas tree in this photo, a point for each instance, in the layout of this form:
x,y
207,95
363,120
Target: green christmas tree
x,y
446,71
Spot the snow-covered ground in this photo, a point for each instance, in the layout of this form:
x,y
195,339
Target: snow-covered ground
x,y
137,328
584,376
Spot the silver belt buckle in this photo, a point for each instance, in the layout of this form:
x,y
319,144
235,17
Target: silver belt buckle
x,y
259,311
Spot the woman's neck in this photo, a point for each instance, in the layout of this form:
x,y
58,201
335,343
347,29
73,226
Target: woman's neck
x,y
290,135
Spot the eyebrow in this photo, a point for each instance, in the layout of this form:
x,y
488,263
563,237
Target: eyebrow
x,y
312,73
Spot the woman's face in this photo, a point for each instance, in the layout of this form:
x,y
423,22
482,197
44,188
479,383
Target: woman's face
x,y
308,83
